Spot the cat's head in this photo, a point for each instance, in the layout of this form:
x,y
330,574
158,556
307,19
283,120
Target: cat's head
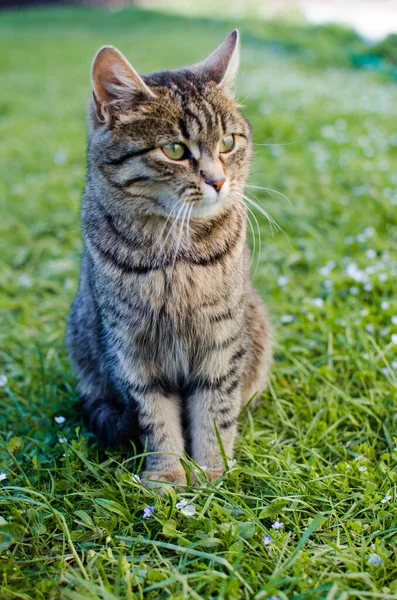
x,y
172,138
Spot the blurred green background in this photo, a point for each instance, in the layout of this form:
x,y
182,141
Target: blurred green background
x,y
319,454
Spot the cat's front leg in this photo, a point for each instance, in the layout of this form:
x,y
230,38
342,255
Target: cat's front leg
x,y
161,436
207,407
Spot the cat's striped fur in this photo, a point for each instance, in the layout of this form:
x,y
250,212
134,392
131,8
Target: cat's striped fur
x,y
166,333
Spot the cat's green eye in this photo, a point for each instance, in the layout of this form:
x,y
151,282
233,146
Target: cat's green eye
x,y
175,151
227,144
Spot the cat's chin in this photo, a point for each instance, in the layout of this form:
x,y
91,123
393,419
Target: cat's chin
x,y
205,210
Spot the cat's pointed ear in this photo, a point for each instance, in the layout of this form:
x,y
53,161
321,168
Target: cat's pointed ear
x,y
114,80
221,65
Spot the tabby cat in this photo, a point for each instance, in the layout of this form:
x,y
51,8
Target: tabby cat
x,y
166,332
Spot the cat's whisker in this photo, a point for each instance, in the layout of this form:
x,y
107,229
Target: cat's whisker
x,y
239,203
182,206
188,223
270,190
167,220
255,199
272,222
170,231
282,144
259,237
181,228
269,218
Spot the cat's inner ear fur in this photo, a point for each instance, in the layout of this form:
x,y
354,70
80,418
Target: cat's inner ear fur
x,y
114,80
221,65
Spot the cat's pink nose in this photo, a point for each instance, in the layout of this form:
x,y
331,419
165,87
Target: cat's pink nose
x,y
216,183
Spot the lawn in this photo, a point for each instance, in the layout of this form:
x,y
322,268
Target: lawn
x,y
319,456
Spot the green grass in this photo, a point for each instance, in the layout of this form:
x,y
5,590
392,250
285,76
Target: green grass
x,y
320,453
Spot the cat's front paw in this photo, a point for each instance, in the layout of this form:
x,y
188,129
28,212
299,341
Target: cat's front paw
x,y
157,479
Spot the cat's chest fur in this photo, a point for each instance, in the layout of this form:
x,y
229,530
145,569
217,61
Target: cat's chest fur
x,y
186,302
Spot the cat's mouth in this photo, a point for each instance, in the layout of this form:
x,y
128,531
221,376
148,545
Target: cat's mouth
x,y
210,200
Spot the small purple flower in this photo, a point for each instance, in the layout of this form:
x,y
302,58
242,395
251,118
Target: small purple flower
x,y
267,539
375,559
277,525
186,509
148,511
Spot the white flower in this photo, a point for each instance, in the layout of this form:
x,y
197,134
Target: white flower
x,y
394,364
231,463
368,287
362,468
371,253
355,273
135,478
369,329
383,277
25,281
3,476
277,525
394,338
366,356
182,503
349,240
204,468
385,304
369,232
3,380
283,280
318,302
394,320
267,539
62,440
354,290
375,559
60,157
59,420
325,271
387,498
287,319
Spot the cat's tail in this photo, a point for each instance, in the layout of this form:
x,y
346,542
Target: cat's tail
x,y
114,425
